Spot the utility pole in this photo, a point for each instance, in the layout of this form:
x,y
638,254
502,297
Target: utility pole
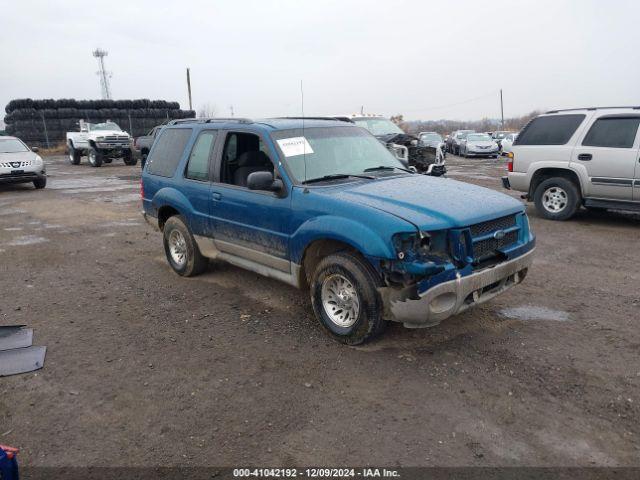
x,y
189,88
104,75
231,109
501,110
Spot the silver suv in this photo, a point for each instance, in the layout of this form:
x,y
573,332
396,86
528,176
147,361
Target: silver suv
x,y
588,157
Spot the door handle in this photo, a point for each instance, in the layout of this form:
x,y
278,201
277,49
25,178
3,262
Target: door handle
x,y
216,196
585,157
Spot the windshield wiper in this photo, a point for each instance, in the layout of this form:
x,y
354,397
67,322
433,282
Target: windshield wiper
x,y
386,167
336,176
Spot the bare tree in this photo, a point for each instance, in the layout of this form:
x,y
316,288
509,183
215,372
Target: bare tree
x,y
207,110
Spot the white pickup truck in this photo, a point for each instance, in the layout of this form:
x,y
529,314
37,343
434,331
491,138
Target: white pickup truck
x,y
101,143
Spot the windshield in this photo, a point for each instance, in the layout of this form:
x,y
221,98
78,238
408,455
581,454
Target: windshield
x,y
478,137
430,137
104,126
500,135
378,126
12,145
331,151
461,135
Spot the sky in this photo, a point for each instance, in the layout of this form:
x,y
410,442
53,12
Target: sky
x,y
426,60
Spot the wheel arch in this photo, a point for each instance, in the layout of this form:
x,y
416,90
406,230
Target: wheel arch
x,y
168,202
544,173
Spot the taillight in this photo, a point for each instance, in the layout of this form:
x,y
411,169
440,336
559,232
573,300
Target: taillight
x,y
141,190
510,162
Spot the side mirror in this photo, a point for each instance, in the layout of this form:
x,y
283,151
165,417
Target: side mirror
x,y
264,181
35,149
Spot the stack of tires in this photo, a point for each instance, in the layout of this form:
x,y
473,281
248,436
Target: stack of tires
x,y
44,123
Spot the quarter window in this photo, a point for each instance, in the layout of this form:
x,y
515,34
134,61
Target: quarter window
x,y
550,130
612,133
198,166
167,151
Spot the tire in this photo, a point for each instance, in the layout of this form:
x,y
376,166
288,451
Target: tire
x,y
40,183
557,198
181,249
95,157
74,155
356,280
129,158
143,160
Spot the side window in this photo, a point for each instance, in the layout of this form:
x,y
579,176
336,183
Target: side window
x,y
167,151
198,164
243,154
612,132
550,130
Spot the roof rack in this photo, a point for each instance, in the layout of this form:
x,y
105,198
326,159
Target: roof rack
x,y
329,119
590,109
210,120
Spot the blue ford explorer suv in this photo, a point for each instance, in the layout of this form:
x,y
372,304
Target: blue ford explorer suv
x,y
323,205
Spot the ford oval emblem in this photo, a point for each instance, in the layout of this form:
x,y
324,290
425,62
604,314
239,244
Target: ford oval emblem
x,y
499,234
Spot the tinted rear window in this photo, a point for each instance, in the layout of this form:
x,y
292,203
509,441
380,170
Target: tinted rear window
x,y
551,130
167,151
612,132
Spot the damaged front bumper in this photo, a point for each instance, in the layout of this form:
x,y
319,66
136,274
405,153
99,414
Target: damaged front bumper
x,y
417,309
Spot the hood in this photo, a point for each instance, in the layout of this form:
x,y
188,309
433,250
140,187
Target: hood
x,y
104,133
481,143
399,138
430,203
18,157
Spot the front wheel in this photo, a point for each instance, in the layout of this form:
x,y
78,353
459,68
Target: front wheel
x,y
95,157
181,248
557,198
40,183
74,155
345,298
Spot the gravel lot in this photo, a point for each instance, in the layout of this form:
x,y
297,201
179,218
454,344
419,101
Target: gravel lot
x,y
232,369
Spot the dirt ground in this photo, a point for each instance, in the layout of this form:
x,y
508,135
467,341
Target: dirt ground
x,y
232,369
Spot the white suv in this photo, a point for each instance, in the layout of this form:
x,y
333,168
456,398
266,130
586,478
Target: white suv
x,y
588,157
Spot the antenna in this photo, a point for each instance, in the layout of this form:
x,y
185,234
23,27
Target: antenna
x,y
104,75
304,139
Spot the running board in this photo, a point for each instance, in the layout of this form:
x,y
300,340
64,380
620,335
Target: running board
x,y
613,204
16,353
15,336
21,360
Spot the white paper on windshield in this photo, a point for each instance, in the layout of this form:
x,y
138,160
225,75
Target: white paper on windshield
x,y
294,146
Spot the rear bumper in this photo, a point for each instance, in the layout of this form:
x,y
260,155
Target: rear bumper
x,y
429,308
25,177
151,221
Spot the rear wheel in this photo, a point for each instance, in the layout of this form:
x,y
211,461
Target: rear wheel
x,y
95,157
74,155
557,198
345,298
181,249
128,158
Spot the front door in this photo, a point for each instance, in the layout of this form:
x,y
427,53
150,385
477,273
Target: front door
x,y
609,152
250,224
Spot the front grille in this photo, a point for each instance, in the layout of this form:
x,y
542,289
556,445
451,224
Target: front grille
x,y
116,138
485,228
489,246
25,163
